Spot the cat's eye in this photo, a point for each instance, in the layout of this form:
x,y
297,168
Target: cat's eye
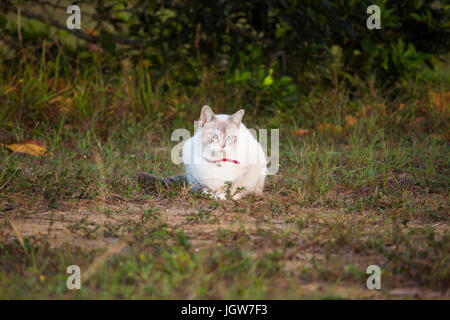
x,y
230,138
214,136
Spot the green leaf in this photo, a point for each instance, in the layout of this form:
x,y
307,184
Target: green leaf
x,y
268,80
416,16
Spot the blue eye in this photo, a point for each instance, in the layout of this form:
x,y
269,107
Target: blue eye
x,y
214,136
230,138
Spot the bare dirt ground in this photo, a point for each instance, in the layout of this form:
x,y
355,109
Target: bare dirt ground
x,y
86,223
102,223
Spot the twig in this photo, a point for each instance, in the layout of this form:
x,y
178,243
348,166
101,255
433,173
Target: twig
x,y
19,29
18,235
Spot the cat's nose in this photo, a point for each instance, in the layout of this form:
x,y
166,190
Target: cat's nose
x,y
222,146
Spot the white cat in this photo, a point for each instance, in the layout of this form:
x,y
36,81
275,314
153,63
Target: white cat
x,y
224,151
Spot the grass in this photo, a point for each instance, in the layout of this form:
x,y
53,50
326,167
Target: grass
x,y
345,197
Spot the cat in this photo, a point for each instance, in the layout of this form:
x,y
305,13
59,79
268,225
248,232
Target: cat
x,y
222,158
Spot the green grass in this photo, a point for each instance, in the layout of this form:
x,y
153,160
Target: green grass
x,y
373,193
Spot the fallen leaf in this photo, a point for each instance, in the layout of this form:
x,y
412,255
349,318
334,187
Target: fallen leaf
x,y
67,106
441,101
380,108
32,147
91,31
64,105
366,110
92,46
350,121
446,135
329,127
442,136
9,89
56,99
301,132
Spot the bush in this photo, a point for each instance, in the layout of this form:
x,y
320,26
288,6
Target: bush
x,y
303,39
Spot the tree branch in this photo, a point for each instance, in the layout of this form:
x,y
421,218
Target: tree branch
x,y
79,34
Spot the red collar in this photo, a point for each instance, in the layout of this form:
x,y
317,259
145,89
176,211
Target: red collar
x,y
222,160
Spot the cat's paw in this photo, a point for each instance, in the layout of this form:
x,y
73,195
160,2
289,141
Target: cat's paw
x,y
237,196
220,196
207,192
239,193
216,196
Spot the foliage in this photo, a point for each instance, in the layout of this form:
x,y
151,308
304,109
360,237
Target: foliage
x,y
309,40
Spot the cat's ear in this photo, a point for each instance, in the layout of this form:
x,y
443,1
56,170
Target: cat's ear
x,y
206,115
237,117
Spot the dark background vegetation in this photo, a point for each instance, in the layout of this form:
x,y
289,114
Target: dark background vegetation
x,y
305,45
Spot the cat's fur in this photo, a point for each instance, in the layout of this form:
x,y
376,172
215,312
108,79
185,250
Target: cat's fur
x,y
246,169
222,156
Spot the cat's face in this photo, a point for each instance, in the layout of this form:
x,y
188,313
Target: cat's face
x,y
219,135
